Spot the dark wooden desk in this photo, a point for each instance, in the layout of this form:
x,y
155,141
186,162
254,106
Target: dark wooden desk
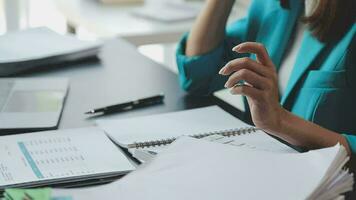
x,y
123,75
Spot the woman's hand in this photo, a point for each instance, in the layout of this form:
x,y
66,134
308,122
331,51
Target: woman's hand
x,y
263,98
262,85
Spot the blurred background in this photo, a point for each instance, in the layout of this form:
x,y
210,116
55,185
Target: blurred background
x,y
154,26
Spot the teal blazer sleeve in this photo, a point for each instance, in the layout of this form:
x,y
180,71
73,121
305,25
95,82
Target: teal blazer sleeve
x,y
351,139
199,74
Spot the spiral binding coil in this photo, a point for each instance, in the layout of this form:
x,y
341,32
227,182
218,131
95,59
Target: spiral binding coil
x,y
227,133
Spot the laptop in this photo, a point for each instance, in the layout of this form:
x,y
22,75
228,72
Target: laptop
x,y
31,104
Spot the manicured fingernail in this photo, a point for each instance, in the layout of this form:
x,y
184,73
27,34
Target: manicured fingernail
x,y
221,71
237,48
225,85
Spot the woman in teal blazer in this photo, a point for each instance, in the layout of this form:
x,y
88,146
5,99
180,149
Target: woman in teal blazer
x,y
318,107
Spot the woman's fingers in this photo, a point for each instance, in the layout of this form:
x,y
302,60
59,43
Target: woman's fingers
x,y
255,48
262,88
244,63
250,77
260,74
248,91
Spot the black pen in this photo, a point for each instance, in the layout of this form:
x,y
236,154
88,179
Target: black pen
x,y
139,103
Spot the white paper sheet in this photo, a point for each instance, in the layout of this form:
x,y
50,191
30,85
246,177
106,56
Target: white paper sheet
x,y
39,43
259,141
163,126
52,155
234,100
197,169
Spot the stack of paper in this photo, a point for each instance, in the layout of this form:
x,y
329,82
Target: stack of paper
x,y
73,156
41,47
258,141
198,169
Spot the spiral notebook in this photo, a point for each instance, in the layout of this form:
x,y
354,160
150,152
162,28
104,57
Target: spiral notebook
x,y
156,131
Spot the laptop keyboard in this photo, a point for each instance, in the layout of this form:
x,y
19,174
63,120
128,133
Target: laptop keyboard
x,y
5,89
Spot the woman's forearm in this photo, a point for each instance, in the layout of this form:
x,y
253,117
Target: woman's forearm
x,y
300,132
209,29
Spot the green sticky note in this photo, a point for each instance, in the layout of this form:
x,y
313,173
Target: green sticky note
x,y
31,194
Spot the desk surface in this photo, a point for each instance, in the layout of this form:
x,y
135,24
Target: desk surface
x,y
124,74
117,20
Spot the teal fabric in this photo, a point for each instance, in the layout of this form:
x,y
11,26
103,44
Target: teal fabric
x,y
352,141
322,87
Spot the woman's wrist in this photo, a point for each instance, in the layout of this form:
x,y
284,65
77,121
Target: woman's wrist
x,y
282,125
300,132
284,121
